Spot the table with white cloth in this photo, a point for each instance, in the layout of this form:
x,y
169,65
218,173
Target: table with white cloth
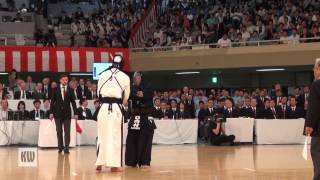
x,y
48,134
19,132
284,131
167,132
242,128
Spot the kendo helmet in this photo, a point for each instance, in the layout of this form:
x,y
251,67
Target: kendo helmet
x,y
118,62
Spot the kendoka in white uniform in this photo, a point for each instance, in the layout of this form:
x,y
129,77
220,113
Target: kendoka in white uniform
x,y
114,90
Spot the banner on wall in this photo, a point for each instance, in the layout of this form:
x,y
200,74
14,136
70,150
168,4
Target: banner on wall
x,y
39,59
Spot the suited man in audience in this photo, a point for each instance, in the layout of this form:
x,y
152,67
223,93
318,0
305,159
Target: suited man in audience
x,y
82,89
38,93
211,110
96,111
230,111
173,112
37,113
277,98
163,107
299,97
294,111
92,93
30,84
283,107
5,112
184,113
156,110
273,112
3,92
190,105
245,107
46,88
74,90
221,106
84,112
203,114
254,111
261,98
22,93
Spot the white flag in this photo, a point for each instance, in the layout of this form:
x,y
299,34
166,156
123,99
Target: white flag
x,y
305,148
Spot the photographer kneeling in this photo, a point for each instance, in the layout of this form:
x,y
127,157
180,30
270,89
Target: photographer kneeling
x,y
217,136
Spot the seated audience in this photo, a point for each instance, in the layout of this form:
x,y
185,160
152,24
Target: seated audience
x,y
22,93
5,112
37,113
21,113
83,112
294,111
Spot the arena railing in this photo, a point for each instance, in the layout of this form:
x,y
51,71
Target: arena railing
x,y
215,45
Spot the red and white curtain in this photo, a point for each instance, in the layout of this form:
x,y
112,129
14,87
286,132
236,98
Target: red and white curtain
x,y
38,59
139,31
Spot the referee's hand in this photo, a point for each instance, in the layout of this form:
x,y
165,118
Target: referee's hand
x,y
308,131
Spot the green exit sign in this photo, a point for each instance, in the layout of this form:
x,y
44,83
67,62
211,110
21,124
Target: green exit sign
x,y
215,80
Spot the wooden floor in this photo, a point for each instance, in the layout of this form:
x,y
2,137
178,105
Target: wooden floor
x,y
183,162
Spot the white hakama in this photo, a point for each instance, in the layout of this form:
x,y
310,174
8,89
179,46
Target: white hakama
x,y
112,84
109,142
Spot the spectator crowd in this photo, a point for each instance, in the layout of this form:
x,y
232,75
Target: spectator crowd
x,y
236,23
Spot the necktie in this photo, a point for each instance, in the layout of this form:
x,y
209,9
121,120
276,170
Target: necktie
x,y
23,94
64,91
254,112
37,114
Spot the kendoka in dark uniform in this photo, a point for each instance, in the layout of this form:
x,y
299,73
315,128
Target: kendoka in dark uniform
x,y
141,125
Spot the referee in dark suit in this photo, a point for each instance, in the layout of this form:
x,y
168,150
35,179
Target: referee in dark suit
x,y
61,98
313,120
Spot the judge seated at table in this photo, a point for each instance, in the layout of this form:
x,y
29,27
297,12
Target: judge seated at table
x,y
217,135
37,113
294,111
230,111
21,113
5,112
272,112
156,110
184,113
173,112
83,112
253,111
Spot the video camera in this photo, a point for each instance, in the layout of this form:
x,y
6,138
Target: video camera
x,y
217,118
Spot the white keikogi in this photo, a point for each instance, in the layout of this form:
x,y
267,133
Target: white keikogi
x,y
112,83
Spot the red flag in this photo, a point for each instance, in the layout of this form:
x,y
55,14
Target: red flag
x,y
78,128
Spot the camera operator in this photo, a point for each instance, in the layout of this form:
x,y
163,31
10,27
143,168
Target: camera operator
x,y
217,135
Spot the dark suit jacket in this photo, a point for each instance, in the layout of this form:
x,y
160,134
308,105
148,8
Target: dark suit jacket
x,y
203,113
80,114
37,95
298,113
17,95
300,101
191,109
95,114
174,114
283,114
268,114
33,114
85,93
257,115
184,114
234,114
21,115
313,115
89,95
61,108
49,93
157,114
260,103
